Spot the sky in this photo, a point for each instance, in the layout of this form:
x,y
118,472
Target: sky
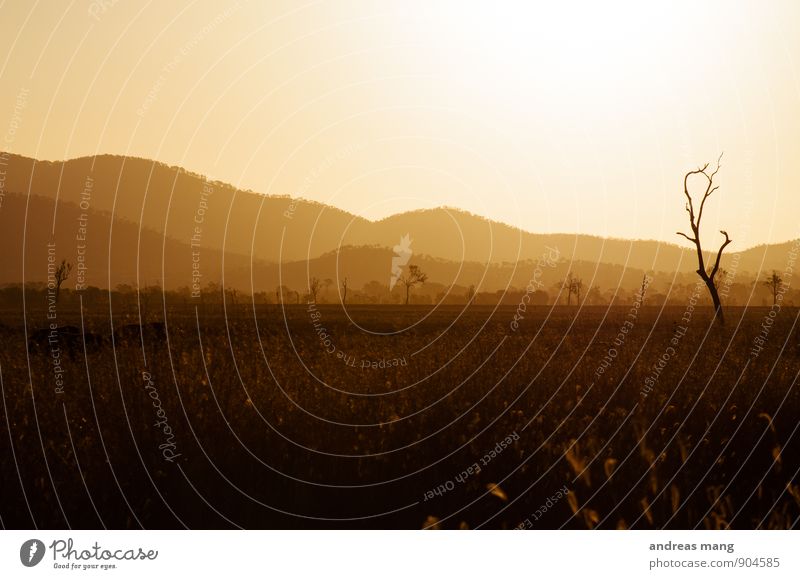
x,y
578,118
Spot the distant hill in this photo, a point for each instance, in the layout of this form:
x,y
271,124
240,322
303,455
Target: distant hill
x,y
170,201
131,253
183,212
362,265
93,239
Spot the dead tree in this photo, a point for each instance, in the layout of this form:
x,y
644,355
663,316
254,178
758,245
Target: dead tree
x,y
694,223
774,283
344,291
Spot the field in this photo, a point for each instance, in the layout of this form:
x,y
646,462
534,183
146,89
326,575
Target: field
x,y
400,417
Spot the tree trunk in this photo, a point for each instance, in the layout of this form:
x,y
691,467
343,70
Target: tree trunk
x,y
712,289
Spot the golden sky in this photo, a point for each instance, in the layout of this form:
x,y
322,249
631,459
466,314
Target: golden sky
x,y
577,118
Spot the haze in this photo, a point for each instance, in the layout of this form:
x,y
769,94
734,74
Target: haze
x,y
575,119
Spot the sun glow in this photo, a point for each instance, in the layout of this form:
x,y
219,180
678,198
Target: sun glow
x,y
555,117
587,59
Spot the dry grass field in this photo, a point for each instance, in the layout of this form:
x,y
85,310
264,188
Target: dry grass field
x,y
400,417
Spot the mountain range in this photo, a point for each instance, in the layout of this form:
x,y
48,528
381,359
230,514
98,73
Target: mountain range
x,y
132,220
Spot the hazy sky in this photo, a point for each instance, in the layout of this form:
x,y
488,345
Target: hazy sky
x,y
575,118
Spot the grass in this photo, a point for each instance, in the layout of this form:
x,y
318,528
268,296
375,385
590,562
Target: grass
x,y
284,419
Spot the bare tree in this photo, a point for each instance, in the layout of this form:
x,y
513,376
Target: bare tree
x,y
577,288
412,277
774,283
694,222
314,285
61,275
344,291
573,285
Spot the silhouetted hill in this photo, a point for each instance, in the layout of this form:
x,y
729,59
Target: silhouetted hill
x,y
178,210
170,201
362,265
102,245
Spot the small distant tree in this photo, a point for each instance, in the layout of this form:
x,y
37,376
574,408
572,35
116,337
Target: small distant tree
x,y
283,294
707,276
594,296
577,288
61,275
567,285
470,294
414,276
573,285
344,291
774,283
314,285
375,292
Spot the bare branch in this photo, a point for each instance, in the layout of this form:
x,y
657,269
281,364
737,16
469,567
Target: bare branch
x,y
719,159
719,254
709,189
692,239
689,204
